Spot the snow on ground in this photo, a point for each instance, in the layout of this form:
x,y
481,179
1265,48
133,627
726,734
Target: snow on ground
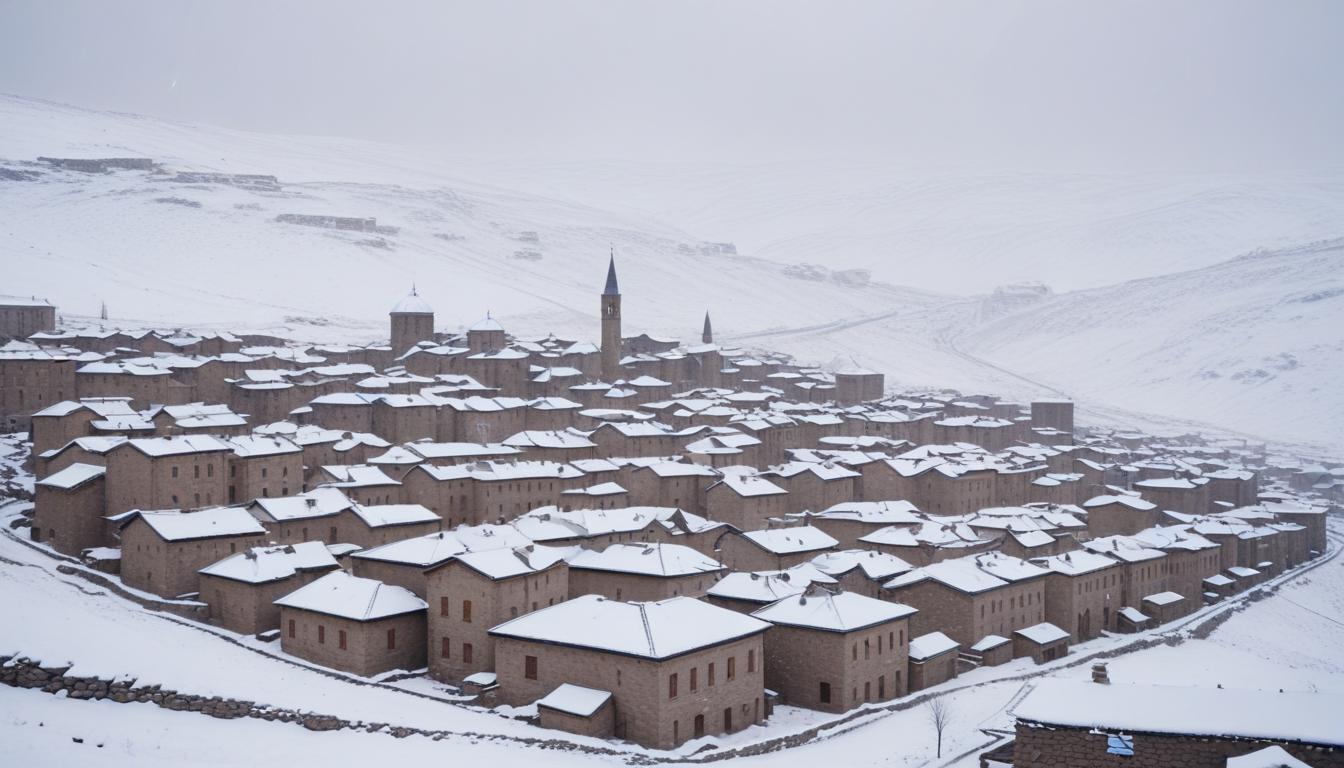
x,y
1293,640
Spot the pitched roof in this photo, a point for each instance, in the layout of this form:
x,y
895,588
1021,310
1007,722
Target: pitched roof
x,y
654,630
351,597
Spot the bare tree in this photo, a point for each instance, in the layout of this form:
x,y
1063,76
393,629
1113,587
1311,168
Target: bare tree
x,y
940,714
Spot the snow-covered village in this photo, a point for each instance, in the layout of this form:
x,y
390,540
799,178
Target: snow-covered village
x,y
322,441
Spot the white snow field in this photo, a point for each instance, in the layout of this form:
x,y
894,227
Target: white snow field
x,y
1293,640
1179,311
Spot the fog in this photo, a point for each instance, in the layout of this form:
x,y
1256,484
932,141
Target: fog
x,y
1190,86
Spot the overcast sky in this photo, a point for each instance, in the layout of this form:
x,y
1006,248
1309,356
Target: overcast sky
x,y
1222,85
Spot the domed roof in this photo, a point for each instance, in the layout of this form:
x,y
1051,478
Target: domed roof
x,y
488,323
412,304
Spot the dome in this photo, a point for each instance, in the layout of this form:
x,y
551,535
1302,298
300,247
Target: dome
x,y
487,324
413,305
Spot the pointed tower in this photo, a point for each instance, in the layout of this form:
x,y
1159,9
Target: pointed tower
x,y
707,335
611,325
412,322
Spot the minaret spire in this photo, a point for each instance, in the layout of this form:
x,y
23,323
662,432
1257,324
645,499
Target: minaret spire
x,y
613,288
707,335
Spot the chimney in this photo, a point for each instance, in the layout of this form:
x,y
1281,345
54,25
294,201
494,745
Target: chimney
x,y
1099,674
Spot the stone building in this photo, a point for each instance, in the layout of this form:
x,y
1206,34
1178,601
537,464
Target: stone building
x,y
162,552
970,597
1082,590
676,669
1074,724
1119,515
32,379
412,321
772,549
861,571
646,572
69,508
263,466
241,589
58,424
1142,572
21,318
744,499
473,591
355,625
933,660
856,385
835,651
187,471
407,562
1055,415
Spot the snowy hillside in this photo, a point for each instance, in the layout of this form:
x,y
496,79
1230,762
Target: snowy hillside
x,y
1251,344
1254,343
161,251
958,231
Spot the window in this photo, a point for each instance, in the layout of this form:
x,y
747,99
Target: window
x,y
445,649
710,674
291,627
321,634
728,718
695,679
530,667
699,726
443,607
391,639
263,472
174,471
672,686
751,660
340,639
196,471
732,667
466,653
824,694
210,471
466,611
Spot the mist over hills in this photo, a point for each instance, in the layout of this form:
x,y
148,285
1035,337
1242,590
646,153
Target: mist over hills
x,y
1136,299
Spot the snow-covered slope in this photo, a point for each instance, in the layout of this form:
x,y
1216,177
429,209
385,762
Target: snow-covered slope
x,y
960,231
1250,344
1255,343
160,251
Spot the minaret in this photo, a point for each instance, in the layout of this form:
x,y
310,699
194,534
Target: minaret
x,y
707,335
611,325
412,322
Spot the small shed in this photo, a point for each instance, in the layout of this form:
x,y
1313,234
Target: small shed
x,y
992,650
576,709
933,659
1130,619
1164,606
1042,642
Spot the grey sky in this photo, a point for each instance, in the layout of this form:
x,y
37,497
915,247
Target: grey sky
x,y
1199,86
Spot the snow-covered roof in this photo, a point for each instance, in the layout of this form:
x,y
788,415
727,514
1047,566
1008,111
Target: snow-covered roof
x,y
178,445
1164,598
412,304
1075,563
662,560
1269,757
878,566
930,645
874,512
654,630
250,446
767,586
1133,502
989,642
1043,633
514,561
575,699
259,565
318,502
1310,717
788,541
844,612
175,525
72,476
382,515
351,597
